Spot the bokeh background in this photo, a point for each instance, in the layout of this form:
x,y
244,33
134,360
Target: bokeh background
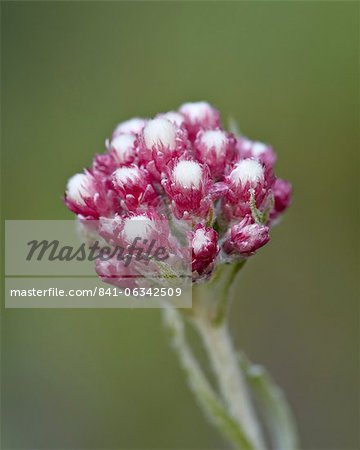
x,y
91,379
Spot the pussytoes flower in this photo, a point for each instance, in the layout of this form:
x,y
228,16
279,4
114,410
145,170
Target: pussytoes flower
x,y
246,237
179,167
86,195
139,228
188,188
248,181
204,244
146,225
133,186
125,228
160,142
216,149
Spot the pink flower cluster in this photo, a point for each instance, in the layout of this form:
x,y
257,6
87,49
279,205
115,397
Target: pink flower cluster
x,y
183,166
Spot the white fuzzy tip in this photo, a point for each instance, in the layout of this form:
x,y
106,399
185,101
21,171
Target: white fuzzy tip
x,y
200,240
126,174
132,126
196,111
248,170
188,174
138,226
214,139
123,145
76,188
160,132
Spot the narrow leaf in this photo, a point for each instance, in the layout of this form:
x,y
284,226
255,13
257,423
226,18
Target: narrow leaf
x,y
273,405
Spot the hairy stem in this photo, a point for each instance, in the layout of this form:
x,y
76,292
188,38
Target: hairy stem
x,y
212,405
230,379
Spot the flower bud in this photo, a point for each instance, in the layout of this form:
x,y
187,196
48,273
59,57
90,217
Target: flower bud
x,y
205,248
144,241
199,115
143,226
247,178
133,187
88,197
214,148
139,225
188,186
160,142
79,188
159,134
246,237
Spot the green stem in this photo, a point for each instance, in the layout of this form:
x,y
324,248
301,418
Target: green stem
x,y
208,400
210,305
230,379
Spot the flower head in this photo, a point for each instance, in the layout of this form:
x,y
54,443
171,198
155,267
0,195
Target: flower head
x,y
134,188
181,166
86,195
161,141
216,149
187,185
160,134
248,181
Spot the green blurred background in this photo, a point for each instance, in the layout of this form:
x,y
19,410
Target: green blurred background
x,y
287,72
